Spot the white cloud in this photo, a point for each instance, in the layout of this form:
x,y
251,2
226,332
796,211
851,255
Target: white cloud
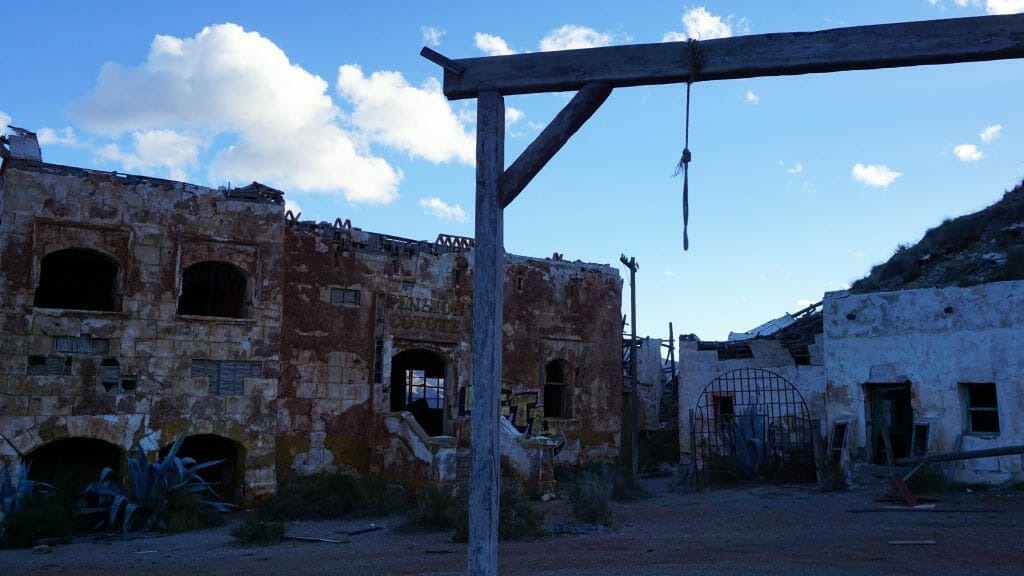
x,y
877,175
993,6
991,132
292,205
513,115
418,121
751,97
1004,6
670,274
803,303
796,168
432,35
5,121
702,25
63,137
967,152
570,37
441,209
673,36
492,45
155,149
227,81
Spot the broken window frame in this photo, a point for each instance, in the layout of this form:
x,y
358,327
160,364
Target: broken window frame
x,y
837,441
48,366
976,412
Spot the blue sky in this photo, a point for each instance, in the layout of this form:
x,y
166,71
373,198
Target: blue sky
x,y
798,184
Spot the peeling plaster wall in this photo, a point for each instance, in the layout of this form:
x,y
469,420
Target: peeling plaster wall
x,y
936,339
418,296
556,309
154,229
697,368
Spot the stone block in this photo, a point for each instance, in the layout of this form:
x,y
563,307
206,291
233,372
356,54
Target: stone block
x,y
13,406
265,387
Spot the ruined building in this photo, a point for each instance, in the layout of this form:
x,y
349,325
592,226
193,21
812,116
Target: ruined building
x,y
137,309
902,373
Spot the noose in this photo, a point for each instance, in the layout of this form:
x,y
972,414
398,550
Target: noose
x,y
684,160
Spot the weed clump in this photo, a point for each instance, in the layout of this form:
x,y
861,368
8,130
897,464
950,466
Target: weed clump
x,y
39,516
333,495
258,532
590,495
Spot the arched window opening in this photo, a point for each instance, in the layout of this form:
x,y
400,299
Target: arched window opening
x,y
71,464
226,477
418,386
213,289
556,373
78,279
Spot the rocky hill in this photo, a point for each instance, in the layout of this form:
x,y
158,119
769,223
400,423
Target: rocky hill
x,y
987,246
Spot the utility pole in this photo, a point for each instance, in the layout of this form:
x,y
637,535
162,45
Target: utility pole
x,y
634,441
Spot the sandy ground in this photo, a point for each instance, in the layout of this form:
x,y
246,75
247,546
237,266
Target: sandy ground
x,y
744,530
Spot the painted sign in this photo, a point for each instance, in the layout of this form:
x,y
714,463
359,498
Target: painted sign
x,y
431,314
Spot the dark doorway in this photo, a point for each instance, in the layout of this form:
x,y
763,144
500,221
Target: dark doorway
x,y
418,386
890,414
226,477
78,279
213,289
71,464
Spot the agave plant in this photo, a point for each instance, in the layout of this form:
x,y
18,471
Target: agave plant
x,y
14,496
140,502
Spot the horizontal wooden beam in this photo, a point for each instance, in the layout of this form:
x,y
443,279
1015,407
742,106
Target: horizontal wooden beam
x,y
551,139
855,48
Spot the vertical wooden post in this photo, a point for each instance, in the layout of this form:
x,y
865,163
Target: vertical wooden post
x,y
488,295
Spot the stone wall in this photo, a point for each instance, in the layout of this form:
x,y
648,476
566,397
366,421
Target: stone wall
x,y
127,375
334,336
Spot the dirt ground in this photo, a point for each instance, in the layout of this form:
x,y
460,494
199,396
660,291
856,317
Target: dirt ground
x,y
751,530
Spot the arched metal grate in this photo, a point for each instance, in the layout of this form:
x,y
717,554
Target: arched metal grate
x,y
751,424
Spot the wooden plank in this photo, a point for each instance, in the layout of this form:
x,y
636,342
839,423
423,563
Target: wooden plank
x,y
552,138
855,48
488,295
966,455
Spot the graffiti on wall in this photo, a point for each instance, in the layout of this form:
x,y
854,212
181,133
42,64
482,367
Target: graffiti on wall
x,y
523,409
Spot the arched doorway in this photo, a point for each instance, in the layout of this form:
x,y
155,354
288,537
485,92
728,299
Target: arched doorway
x,y
752,424
226,477
418,385
71,464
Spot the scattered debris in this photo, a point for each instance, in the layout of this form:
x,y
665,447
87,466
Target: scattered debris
x,y
360,531
312,539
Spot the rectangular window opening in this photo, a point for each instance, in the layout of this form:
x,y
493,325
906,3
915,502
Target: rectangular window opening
x,y
922,430
227,377
345,297
981,411
48,366
80,345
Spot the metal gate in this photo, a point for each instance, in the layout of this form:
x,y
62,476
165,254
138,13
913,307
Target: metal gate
x,y
751,424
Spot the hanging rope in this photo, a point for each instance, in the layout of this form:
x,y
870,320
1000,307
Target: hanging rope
x,y
684,160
